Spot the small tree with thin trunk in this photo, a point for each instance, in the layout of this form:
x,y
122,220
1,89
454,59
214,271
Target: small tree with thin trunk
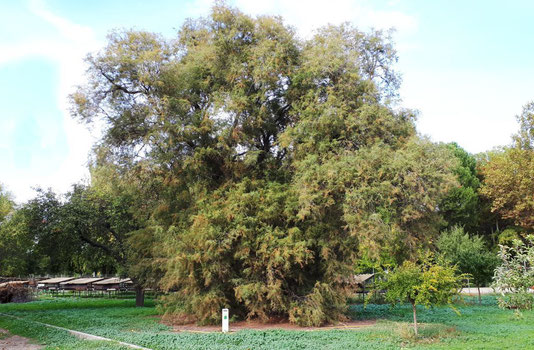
x,y
425,284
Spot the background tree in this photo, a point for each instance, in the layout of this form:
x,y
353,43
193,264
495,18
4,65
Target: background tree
x,y
93,224
101,222
6,203
491,224
469,254
130,201
509,183
509,175
461,205
30,239
427,284
524,139
43,221
16,246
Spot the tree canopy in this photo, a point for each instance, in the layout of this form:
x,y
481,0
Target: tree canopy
x,y
267,163
462,206
469,254
509,175
6,203
52,234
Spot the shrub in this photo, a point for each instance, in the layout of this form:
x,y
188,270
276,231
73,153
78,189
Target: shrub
x,y
515,276
15,294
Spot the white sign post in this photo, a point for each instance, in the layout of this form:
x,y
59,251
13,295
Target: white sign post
x,y
225,321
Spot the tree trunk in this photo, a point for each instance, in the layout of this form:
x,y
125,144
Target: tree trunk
x,y
139,296
479,297
414,319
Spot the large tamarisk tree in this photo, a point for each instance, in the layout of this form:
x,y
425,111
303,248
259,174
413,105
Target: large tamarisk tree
x,y
276,161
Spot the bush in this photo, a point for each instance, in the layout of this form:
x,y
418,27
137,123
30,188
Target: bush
x,y
15,294
515,276
520,300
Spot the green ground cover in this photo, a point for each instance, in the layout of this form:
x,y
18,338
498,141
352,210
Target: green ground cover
x,y
478,327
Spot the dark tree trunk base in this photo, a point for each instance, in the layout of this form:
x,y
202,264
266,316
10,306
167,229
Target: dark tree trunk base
x,y
139,296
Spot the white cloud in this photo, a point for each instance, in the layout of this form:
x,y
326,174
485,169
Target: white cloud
x,y
198,8
308,15
67,29
67,48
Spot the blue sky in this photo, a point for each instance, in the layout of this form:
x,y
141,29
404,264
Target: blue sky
x,y
467,68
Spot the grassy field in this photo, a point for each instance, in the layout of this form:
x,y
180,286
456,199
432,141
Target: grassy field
x,y
478,327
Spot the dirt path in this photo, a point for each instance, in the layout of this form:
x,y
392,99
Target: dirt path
x,y
14,342
254,325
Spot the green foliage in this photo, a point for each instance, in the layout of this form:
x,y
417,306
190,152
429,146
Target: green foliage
x,y
392,197
15,246
29,238
91,226
508,182
258,165
461,205
509,173
508,236
515,276
426,284
41,222
6,203
248,237
524,139
323,305
469,254
14,242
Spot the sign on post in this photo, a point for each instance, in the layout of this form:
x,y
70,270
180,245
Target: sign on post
x,y
225,321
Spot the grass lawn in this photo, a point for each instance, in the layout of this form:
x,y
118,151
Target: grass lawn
x,y
478,327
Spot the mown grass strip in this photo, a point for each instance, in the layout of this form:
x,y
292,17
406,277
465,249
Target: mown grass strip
x,y
79,334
